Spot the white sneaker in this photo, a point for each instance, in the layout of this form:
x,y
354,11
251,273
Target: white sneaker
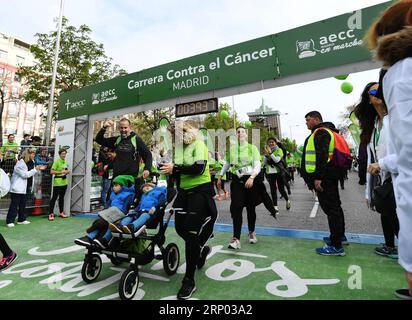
x,y
288,204
234,244
277,209
10,225
24,222
252,237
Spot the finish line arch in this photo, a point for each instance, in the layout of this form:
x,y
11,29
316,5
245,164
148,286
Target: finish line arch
x,y
315,51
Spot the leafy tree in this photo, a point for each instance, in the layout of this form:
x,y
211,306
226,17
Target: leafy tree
x,y
145,123
82,62
215,121
289,144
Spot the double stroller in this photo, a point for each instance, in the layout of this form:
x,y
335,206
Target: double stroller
x,y
129,281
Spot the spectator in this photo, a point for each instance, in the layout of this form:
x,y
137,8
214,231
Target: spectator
x,y
2,162
10,151
129,148
105,170
18,188
60,170
391,38
25,143
36,141
373,121
321,175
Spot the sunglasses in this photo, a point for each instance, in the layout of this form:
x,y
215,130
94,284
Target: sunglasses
x,y
373,92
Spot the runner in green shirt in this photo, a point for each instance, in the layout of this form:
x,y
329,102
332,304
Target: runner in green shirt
x,y
60,170
247,188
275,172
194,206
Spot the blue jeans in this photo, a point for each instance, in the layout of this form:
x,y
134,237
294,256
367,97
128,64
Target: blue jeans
x,y
105,189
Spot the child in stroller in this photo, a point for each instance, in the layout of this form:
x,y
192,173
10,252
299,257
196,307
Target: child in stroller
x,y
121,198
152,197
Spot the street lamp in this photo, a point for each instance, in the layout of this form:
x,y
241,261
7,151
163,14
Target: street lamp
x,y
279,127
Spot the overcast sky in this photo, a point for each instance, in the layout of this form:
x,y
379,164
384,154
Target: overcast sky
x,y
143,34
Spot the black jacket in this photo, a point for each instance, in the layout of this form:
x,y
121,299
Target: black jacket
x,y
127,158
324,169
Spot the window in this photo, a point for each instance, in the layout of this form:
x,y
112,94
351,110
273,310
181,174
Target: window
x,y
3,54
15,92
19,60
30,112
28,126
6,92
10,126
13,110
17,77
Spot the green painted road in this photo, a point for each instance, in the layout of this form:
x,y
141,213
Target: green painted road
x,y
276,268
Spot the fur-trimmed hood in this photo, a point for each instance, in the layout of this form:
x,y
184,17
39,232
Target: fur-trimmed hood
x,y
395,46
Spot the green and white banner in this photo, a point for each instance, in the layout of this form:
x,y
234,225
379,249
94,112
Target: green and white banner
x,y
333,42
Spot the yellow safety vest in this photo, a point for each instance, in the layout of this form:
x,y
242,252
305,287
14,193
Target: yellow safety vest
x,y
310,152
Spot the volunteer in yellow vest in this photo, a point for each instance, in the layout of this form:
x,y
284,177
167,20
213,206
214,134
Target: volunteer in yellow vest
x,y
194,206
247,188
322,175
60,170
273,163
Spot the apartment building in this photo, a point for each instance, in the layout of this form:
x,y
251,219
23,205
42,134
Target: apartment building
x,y
18,117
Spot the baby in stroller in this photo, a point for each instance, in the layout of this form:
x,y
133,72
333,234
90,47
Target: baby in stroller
x,y
135,222
121,198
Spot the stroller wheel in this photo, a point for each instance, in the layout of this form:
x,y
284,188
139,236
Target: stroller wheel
x,y
171,257
92,266
129,283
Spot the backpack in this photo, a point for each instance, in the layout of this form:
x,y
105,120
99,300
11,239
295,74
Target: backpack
x,y
133,140
341,157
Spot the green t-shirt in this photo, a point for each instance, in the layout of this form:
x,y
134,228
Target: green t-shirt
x,y
242,157
278,152
59,165
191,153
290,161
13,149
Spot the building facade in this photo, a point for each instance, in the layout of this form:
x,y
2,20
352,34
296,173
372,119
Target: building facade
x,y
19,117
267,117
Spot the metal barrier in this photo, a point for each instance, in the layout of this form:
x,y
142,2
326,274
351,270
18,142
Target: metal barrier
x,y
39,186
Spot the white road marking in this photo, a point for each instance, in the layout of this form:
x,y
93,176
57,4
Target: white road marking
x,y
315,208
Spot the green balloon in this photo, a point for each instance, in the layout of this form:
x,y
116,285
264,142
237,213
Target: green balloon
x,y
224,114
341,76
346,87
163,122
248,124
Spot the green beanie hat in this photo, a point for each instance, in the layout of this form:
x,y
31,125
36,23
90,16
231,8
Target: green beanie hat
x,y
124,180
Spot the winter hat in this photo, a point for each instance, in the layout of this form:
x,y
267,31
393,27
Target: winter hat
x,y
124,180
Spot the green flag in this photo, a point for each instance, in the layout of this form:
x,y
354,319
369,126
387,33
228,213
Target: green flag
x,y
355,132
